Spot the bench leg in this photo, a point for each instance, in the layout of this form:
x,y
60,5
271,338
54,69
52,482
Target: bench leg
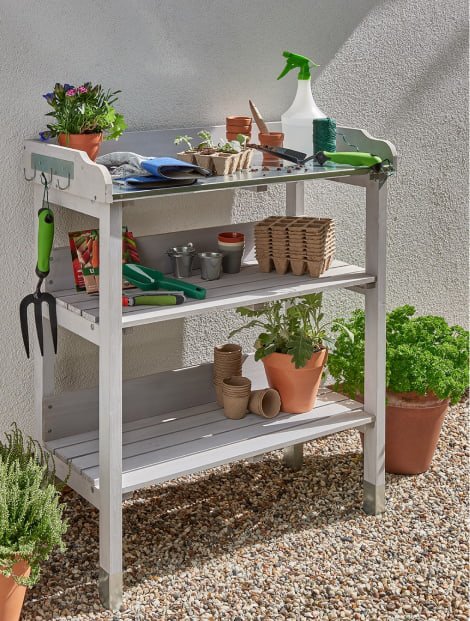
x,y
294,457
110,407
375,345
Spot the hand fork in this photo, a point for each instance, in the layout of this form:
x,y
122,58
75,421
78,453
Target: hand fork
x,y
45,241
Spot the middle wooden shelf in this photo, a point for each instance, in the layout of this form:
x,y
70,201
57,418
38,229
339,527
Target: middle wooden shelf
x,y
246,288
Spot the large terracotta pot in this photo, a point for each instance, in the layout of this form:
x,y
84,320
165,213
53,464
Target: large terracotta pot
x,y
298,388
90,143
412,427
12,594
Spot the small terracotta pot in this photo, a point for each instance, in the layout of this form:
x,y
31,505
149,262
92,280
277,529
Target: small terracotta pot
x,y
231,237
272,139
266,402
12,594
90,143
298,388
238,120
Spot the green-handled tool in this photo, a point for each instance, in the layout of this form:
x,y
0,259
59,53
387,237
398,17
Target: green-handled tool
x,y
45,241
350,158
147,278
156,298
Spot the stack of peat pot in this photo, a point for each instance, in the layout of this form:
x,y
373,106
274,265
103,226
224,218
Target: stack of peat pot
x,y
300,244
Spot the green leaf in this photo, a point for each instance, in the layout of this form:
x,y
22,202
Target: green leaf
x,y
301,349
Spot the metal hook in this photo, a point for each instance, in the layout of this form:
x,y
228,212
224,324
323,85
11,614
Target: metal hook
x,y
66,187
30,178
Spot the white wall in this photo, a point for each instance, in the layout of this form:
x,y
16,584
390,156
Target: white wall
x,y
397,68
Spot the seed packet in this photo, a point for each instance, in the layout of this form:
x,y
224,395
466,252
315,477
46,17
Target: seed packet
x,y
84,246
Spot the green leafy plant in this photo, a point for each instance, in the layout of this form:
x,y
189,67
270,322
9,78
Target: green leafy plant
x,y
293,326
84,109
229,147
424,354
233,146
31,515
185,140
207,140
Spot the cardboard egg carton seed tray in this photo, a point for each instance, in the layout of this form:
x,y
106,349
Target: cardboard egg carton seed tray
x,y
300,244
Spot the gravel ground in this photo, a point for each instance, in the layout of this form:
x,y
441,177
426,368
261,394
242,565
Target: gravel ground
x,y
258,542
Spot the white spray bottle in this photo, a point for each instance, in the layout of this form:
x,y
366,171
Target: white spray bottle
x,y
297,121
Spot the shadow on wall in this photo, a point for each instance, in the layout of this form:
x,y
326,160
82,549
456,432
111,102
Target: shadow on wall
x,y
180,63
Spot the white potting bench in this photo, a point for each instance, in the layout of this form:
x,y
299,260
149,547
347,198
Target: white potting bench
x,y
128,435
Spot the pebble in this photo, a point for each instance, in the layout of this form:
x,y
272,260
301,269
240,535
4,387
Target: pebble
x,y
256,542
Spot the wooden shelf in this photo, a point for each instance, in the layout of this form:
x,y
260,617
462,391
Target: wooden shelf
x,y
173,444
248,287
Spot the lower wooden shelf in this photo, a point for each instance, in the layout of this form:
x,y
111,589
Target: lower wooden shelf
x,y
165,446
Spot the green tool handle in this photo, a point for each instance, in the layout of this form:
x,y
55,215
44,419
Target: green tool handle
x,y
173,284
45,241
147,278
156,300
352,158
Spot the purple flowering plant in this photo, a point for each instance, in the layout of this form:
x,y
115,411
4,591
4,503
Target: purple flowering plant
x,y
84,109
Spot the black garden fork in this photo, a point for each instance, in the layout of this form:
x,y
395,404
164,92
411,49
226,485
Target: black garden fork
x,y
45,241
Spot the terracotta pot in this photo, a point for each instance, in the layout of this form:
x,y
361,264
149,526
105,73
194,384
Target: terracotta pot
x,y
12,594
238,121
90,143
231,237
412,426
297,388
273,139
233,135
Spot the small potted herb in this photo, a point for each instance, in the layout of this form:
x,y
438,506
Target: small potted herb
x,y
291,346
189,155
84,115
205,150
427,369
227,158
31,518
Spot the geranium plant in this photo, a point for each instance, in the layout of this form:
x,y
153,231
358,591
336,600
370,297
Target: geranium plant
x,y
293,326
84,109
424,355
31,514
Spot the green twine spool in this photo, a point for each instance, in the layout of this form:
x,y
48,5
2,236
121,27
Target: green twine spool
x,y
324,135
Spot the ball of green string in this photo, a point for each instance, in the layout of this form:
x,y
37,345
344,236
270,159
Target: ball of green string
x,y
324,135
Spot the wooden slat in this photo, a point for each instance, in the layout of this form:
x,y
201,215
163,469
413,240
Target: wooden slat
x,y
221,434
165,431
248,287
159,473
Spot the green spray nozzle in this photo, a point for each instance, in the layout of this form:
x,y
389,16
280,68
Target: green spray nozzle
x,y
296,61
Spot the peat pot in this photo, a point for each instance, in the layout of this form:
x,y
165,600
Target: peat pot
x,y
298,388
